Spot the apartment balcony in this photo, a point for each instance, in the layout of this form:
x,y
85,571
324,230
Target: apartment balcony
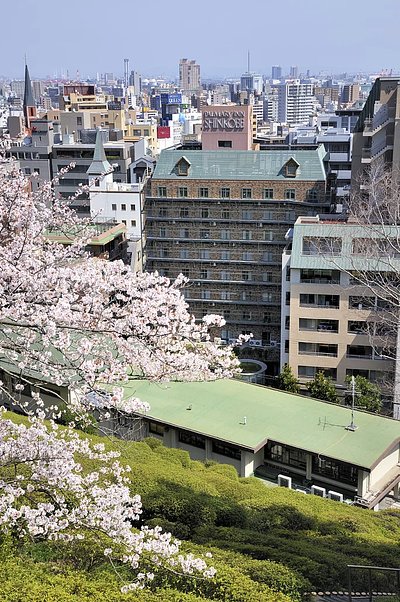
x,y
319,353
366,154
382,148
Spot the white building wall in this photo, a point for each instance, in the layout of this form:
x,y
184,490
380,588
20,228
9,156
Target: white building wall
x,y
110,204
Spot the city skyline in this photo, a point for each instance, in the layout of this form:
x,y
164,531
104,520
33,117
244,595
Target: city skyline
x,y
343,38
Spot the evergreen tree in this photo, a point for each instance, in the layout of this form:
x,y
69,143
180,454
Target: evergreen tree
x,y
322,387
287,381
368,395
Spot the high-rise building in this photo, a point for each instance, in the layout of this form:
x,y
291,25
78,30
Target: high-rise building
x,y
350,93
327,315
135,80
276,72
252,83
295,102
220,218
294,72
376,134
189,75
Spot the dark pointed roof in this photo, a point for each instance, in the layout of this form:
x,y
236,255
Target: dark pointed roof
x,y
29,100
99,165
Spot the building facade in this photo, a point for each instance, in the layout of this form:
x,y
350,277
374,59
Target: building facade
x,y
295,102
220,218
330,322
189,75
377,133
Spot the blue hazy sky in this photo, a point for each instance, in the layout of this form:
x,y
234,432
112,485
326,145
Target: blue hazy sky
x,y
96,35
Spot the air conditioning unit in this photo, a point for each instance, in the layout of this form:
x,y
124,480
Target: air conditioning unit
x,y
255,343
320,491
284,481
334,495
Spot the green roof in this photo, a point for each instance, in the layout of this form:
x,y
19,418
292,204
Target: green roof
x,y
242,165
218,409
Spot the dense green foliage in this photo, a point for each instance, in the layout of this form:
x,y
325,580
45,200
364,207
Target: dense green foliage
x,y
264,540
286,380
367,394
322,387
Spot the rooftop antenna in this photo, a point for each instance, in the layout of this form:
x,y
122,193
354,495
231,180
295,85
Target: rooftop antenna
x,y
352,426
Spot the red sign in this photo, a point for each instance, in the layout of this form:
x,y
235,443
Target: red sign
x,y
163,131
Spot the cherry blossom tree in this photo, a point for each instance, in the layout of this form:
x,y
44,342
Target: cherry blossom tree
x,y
79,321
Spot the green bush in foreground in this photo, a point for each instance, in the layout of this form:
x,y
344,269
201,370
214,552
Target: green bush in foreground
x,y
269,539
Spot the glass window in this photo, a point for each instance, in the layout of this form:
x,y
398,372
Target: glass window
x,y
123,207
224,449
133,207
192,439
204,233
203,193
225,214
182,191
133,223
162,191
184,212
114,207
290,193
268,193
246,193
225,193
246,235
205,213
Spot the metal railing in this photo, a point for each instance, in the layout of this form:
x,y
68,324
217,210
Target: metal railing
x,y
371,594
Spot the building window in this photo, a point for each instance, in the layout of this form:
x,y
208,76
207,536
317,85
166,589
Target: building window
x,y
205,212
133,223
114,207
246,315
203,193
36,170
225,193
246,235
204,254
247,214
246,193
224,143
123,221
290,193
184,212
28,171
287,322
225,214
182,192
204,233
162,191
133,207
123,207
156,429
184,254
192,439
225,255
286,455
162,212
204,275
225,234
318,245
163,232
246,276
268,193
312,194
184,233
335,469
223,449
224,275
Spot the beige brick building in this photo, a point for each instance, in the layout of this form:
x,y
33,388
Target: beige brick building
x,y
329,321
220,218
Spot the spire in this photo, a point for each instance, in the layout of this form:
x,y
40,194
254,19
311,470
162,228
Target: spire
x,y
29,100
99,165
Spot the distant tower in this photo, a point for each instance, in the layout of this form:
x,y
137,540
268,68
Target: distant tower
x,y
126,72
276,72
29,101
294,72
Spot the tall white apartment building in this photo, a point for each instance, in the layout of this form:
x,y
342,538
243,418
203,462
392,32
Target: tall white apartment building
x,y
295,102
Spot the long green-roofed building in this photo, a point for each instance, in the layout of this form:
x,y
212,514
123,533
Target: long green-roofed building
x,y
271,432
